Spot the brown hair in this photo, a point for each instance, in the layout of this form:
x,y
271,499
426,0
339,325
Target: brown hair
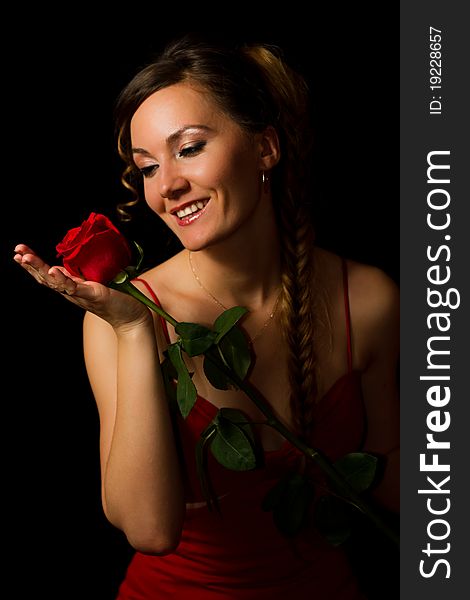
x,y
255,87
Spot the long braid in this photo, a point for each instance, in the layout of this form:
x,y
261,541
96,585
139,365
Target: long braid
x,y
296,234
298,317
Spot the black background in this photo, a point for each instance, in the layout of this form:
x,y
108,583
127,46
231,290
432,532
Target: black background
x,y
60,82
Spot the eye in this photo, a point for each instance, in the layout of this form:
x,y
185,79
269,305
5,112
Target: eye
x,y
192,150
149,171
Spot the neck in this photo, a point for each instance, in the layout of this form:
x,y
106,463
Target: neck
x,y
244,269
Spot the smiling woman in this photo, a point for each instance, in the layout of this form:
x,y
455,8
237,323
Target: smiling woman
x,y
208,173
216,138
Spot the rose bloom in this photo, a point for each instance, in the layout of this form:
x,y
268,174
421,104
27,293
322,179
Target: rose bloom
x,y
95,251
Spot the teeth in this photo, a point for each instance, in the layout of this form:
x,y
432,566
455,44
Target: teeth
x,y
192,208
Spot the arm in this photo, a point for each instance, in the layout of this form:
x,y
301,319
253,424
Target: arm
x,y
142,489
375,306
141,479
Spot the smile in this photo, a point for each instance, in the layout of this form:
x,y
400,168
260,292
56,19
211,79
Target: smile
x,y
191,212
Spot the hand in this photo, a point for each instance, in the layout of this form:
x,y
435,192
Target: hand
x,y
120,310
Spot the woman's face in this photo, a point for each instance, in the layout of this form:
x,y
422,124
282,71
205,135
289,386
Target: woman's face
x,y
202,172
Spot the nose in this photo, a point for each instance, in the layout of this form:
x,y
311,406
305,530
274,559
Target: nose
x,y
172,183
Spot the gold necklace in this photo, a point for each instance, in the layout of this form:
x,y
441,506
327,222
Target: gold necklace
x,y
201,285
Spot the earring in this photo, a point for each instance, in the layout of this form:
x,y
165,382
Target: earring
x,y
265,180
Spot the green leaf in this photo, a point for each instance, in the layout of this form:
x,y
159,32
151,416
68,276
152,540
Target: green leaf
x,y
231,446
236,352
227,320
195,339
358,468
186,392
201,467
289,500
232,353
333,518
170,375
215,376
239,418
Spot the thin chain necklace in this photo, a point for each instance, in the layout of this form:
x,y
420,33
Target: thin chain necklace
x,y
265,324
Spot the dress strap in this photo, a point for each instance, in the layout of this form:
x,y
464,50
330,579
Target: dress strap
x,y
157,302
347,312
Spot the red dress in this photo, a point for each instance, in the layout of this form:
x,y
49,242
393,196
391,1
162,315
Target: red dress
x,y
239,554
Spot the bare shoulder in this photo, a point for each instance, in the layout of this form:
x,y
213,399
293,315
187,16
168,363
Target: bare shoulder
x,y
375,310
374,301
371,289
166,284
164,278
363,278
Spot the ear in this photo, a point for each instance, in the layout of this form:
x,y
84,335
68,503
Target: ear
x,y
269,150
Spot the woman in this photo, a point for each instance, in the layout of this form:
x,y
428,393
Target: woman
x,y
216,139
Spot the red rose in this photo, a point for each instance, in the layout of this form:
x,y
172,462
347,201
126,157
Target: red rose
x,y
95,251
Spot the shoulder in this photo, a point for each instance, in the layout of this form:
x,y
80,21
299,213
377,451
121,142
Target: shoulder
x,y
374,293
164,278
374,302
363,278
375,310
164,285
372,290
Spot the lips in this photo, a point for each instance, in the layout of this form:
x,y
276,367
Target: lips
x,y
189,212
188,204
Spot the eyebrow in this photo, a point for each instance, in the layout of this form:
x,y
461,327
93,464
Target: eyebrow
x,y
174,137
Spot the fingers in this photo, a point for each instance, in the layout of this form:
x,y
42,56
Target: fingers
x,y
34,265
69,275
59,280
23,249
55,278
